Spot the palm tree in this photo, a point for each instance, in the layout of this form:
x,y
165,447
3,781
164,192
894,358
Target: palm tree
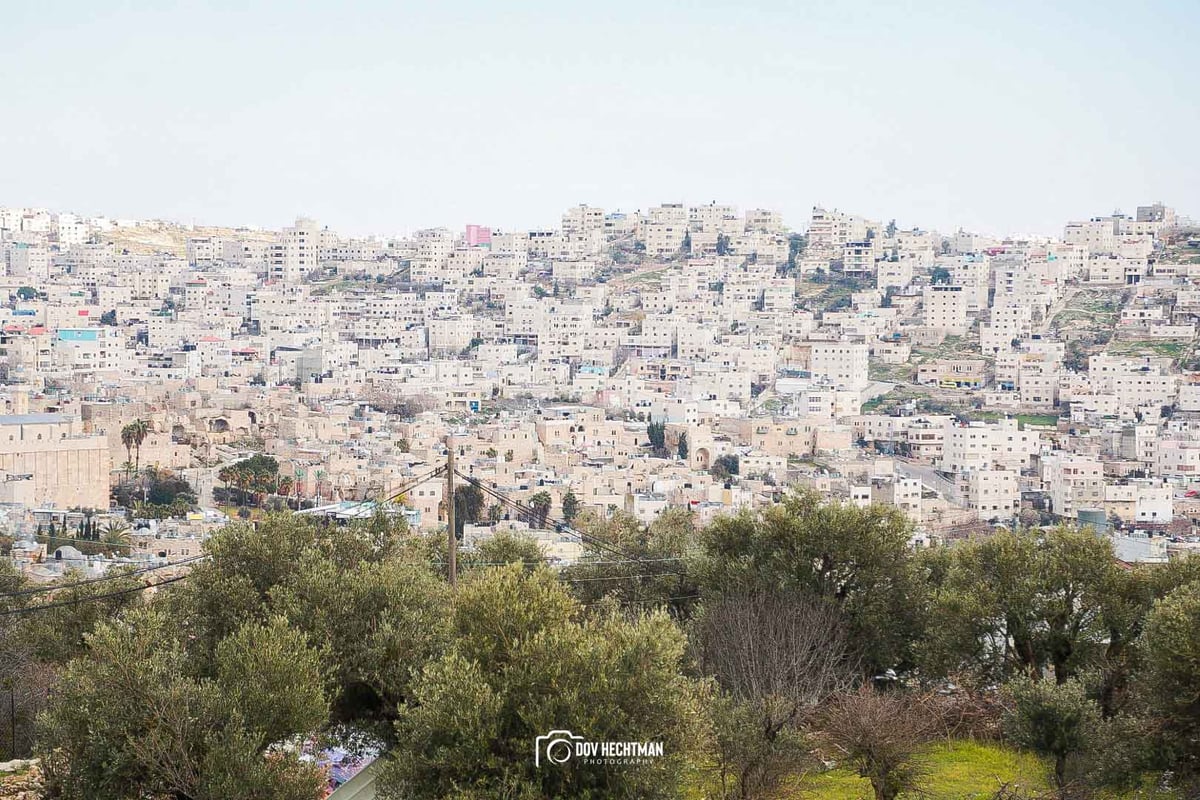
x,y
128,467
539,507
570,506
127,440
226,476
132,436
297,484
115,532
238,477
244,480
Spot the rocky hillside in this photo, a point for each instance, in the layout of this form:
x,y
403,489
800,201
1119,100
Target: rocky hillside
x,y
20,780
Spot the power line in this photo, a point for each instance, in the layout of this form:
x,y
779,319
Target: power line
x,y
404,488
659,600
435,472
621,577
106,577
503,498
116,576
90,599
525,511
58,538
589,562
561,525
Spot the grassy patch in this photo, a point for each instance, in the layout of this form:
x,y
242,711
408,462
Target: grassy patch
x,y
823,295
957,771
952,348
1022,419
895,373
1037,419
646,277
1096,308
232,512
1144,347
897,397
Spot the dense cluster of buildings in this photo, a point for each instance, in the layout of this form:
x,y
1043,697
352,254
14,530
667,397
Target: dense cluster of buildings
x,y
967,380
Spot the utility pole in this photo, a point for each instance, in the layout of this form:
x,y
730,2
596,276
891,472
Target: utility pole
x,y
12,715
451,539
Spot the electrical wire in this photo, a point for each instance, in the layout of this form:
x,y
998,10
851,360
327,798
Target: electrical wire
x,y
437,472
561,525
90,599
102,578
465,556
659,600
116,576
368,500
58,538
509,502
525,511
620,577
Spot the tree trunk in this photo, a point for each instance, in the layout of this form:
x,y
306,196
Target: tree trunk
x,y
1114,678
1061,675
1060,774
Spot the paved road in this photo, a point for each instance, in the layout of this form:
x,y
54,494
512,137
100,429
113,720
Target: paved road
x,y
929,477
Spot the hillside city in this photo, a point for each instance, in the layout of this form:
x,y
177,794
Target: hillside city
x,y
684,356
687,503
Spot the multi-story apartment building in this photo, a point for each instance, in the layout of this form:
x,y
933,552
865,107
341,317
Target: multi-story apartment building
x,y
296,253
994,493
1072,482
981,445
829,231
842,363
946,308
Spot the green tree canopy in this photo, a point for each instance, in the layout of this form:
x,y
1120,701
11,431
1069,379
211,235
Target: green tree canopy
x,y
1021,603
1171,653
379,621
657,433
856,558
539,509
1058,721
506,548
725,467
637,565
570,506
525,662
469,506
131,719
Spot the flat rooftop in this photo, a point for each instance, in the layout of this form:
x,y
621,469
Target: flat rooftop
x,y
32,419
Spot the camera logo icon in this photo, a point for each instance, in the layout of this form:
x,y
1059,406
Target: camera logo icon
x,y
555,747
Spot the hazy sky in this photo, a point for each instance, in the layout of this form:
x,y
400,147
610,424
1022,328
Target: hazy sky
x,y
380,117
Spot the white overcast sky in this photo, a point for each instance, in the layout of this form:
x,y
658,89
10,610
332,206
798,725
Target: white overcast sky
x,y
382,117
